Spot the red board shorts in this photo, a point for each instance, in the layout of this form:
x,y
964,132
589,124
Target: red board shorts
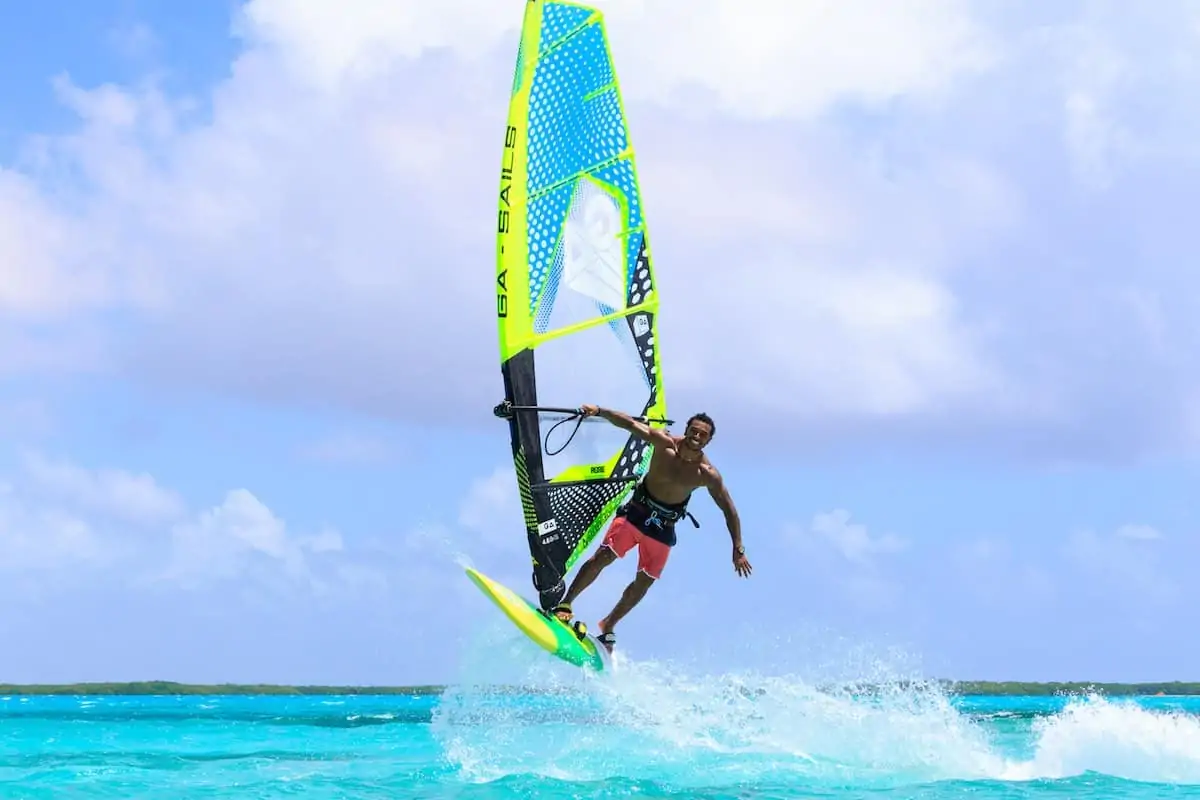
x,y
623,535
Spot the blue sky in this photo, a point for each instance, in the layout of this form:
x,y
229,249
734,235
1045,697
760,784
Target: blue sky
x,y
930,271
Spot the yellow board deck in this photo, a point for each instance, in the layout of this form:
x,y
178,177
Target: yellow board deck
x,y
547,631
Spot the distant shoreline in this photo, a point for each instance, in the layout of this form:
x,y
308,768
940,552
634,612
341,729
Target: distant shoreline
x,y
962,688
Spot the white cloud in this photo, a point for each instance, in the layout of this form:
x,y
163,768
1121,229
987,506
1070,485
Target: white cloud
x,y
329,45
236,538
910,255
852,539
134,40
59,514
891,342
843,557
1093,137
37,276
492,511
768,60
39,538
124,495
488,534
1139,532
752,57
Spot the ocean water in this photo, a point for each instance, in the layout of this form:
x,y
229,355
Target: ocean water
x,y
645,731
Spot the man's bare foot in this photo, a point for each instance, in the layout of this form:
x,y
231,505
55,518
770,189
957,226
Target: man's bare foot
x,y
606,637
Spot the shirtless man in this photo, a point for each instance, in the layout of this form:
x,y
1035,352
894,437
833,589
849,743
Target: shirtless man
x,y
678,467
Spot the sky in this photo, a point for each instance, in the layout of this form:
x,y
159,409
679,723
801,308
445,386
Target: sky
x,y
928,265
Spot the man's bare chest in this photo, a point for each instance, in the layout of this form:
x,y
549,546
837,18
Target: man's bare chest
x,y
669,467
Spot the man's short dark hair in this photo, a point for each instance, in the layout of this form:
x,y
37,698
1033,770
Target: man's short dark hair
x,y
705,418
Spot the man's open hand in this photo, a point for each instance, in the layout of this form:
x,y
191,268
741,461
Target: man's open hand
x,y
741,565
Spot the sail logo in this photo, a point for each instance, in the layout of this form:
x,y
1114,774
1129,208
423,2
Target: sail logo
x,y
641,325
503,224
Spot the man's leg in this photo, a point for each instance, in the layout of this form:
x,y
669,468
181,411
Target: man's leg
x,y
588,573
632,595
652,557
620,537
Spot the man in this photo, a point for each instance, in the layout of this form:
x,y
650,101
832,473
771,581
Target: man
x,y
678,467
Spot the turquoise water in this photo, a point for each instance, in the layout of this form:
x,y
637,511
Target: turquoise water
x,y
646,731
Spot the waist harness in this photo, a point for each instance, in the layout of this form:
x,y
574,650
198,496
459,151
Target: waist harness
x,y
652,516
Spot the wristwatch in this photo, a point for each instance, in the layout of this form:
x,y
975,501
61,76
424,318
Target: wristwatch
x,y
740,550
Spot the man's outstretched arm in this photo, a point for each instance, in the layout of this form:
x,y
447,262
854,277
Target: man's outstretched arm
x,y
628,423
720,495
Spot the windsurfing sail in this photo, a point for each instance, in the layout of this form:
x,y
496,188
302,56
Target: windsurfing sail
x,y
575,294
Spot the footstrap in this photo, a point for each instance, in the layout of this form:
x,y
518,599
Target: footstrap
x,y
609,638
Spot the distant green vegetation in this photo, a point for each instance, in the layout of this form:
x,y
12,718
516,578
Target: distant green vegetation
x,y
172,688
995,688
1025,689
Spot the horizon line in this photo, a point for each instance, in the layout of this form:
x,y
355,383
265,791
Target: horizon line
x,y
954,686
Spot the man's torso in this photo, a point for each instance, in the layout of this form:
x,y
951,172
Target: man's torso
x,y
671,479
661,498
